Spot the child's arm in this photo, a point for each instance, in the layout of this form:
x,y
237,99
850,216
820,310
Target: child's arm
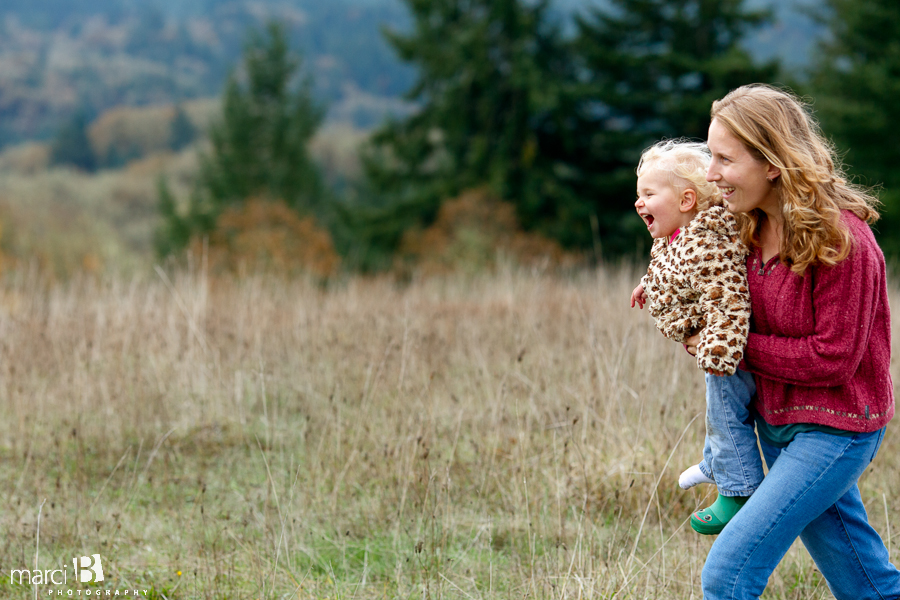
x,y
724,300
690,344
638,297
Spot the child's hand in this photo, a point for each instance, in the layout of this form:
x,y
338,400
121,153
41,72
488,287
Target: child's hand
x,y
638,297
716,373
691,344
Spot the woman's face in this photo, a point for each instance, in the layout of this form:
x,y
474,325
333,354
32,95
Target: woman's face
x,y
743,179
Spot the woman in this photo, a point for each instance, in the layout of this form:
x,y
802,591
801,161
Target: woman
x,y
819,348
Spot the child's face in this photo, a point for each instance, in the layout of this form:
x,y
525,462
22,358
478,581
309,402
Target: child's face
x,y
660,205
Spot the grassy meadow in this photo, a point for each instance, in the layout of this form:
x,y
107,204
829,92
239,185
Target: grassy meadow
x,y
495,434
509,436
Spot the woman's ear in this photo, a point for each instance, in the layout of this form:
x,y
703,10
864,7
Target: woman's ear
x,y
688,200
772,173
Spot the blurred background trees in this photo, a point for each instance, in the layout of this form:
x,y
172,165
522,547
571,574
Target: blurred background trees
x,y
855,86
182,131
71,147
405,114
258,153
494,92
260,144
553,123
650,69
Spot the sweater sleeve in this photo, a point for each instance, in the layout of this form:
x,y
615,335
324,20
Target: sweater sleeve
x,y
655,251
844,300
725,304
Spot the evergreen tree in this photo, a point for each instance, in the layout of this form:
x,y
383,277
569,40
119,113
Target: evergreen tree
x,y
259,148
856,86
493,91
650,70
175,231
181,131
72,146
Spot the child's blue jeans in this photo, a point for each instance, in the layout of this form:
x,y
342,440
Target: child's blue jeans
x,y
730,453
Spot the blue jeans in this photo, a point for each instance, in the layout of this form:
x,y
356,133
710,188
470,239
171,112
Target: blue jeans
x,y
730,454
810,492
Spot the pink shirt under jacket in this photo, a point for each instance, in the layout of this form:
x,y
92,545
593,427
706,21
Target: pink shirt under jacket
x,y
820,345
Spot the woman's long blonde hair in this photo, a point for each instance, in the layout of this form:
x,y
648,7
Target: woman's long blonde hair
x,y
776,127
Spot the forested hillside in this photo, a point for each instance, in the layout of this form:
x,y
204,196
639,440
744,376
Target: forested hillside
x,y
535,111
59,57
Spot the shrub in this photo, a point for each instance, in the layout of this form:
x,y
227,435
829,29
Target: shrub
x,y
268,236
471,233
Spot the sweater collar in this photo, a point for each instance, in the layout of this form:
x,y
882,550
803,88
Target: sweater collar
x,y
674,235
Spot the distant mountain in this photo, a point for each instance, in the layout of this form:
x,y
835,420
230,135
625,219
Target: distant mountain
x,y
58,57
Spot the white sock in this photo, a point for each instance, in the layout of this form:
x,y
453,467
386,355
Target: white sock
x,y
691,477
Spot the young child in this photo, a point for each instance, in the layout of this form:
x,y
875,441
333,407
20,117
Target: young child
x,y
697,282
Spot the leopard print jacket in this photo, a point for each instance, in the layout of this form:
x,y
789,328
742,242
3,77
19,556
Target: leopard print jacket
x,y
699,282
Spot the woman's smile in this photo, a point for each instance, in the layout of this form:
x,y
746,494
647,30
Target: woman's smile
x,y
744,180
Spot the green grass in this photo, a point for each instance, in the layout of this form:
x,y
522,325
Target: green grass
x,y
505,437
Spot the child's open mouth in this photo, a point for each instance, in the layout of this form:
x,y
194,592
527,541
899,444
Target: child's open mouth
x,y
648,219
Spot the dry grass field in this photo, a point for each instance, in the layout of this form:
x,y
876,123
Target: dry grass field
x,y
513,436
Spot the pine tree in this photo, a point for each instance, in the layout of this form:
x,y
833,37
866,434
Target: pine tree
x,y
856,86
181,131
175,232
492,88
650,70
72,146
259,148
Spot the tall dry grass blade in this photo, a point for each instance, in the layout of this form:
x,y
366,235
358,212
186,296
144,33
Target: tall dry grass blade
x,y
887,521
637,537
281,517
183,307
37,545
106,482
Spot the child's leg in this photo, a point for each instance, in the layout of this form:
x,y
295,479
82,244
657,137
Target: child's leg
x,y
730,452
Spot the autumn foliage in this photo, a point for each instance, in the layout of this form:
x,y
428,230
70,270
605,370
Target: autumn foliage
x,y
471,233
263,235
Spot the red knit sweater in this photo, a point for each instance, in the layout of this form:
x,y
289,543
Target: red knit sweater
x,y
820,345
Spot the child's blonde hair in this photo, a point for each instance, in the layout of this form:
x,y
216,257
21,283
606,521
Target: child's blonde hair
x,y
685,162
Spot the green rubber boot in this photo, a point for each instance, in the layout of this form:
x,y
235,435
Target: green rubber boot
x,y
713,519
